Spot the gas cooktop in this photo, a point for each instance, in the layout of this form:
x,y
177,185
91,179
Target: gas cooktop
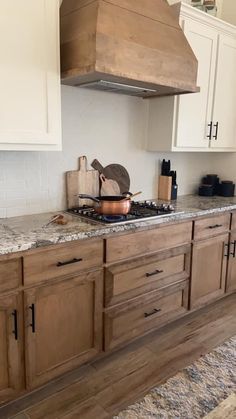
x,y
139,211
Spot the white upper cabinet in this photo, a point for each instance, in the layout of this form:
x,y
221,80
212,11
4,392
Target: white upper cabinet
x,y
203,121
194,110
224,109
30,105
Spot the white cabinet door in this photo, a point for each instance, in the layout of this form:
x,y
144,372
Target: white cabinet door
x,y
224,111
29,75
194,110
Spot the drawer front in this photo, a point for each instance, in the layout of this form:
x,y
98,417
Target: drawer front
x,y
10,274
211,226
141,243
61,261
128,280
146,314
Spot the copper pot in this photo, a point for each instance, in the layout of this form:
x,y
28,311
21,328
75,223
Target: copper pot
x,y
110,205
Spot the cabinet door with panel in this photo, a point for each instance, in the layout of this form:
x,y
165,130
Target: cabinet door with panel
x,y
198,106
63,326
11,339
231,275
224,132
30,75
209,266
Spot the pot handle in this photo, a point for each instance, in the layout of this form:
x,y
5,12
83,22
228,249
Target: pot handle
x,y
84,196
127,193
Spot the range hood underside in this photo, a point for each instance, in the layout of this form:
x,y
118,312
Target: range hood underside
x,y
108,83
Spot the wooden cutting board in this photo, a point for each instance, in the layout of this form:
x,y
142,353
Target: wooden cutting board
x,y
81,181
115,172
109,187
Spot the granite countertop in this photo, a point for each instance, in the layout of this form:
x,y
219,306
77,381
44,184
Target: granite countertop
x,y
27,232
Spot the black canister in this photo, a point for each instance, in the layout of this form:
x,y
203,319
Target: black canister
x,y
226,188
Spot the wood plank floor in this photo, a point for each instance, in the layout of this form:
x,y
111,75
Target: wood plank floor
x,y
104,387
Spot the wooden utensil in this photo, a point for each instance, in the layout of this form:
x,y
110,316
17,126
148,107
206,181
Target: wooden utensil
x,y
115,172
131,196
109,186
81,181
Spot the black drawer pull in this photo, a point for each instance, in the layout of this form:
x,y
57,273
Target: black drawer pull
x,y
155,311
210,132
15,320
156,272
227,246
69,262
233,253
216,226
32,324
216,133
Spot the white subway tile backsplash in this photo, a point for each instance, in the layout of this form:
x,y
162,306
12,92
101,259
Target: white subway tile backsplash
x,y
101,125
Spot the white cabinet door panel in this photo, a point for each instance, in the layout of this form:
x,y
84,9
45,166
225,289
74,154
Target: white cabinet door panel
x,y
225,95
29,73
194,110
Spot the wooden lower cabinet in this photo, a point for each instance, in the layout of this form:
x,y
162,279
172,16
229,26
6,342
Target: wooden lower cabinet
x,y
141,315
209,268
231,275
11,343
63,326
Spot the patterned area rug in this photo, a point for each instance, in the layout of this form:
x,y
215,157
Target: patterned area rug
x,y
193,392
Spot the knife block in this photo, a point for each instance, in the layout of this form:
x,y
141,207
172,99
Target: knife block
x,y
164,188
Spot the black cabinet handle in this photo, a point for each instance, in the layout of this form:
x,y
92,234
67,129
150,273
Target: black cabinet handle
x,y
156,272
15,320
216,133
155,311
234,249
227,250
216,226
32,324
69,262
210,132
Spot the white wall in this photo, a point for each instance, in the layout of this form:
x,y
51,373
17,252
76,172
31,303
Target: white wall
x,y
101,125
228,12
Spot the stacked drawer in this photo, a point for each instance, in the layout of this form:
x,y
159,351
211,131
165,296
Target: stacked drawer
x,y
146,281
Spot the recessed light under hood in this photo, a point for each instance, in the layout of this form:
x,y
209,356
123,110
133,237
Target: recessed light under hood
x,y
135,47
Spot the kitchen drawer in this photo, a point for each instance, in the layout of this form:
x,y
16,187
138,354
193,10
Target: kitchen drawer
x,y
145,242
134,319
130,279
211,226
10,274
62,261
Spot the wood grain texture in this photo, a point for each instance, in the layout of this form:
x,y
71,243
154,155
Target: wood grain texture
x,y
231,272
10,274
139,316
211,226
126,375
127,280
43,265
164,188
146,242
128,40
209,264
68,316
83,181
11,356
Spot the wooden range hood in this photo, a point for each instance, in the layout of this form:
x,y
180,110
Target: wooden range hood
x,y
134,47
